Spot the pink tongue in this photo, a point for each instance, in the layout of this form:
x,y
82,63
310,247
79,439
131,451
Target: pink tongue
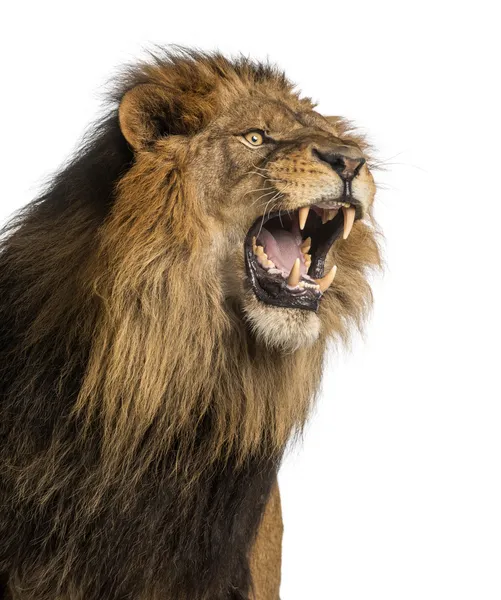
x,y
282,247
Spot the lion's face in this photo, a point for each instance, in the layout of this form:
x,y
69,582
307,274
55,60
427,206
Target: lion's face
x,y
287,187
282,189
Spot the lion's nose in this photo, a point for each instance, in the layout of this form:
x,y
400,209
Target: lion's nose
x,y
347,167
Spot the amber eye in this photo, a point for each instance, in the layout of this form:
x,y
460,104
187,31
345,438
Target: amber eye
x,y
255,138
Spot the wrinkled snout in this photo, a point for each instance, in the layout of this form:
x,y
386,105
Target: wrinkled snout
x,y
344,160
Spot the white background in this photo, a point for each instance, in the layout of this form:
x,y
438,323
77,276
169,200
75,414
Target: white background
x,y
396,491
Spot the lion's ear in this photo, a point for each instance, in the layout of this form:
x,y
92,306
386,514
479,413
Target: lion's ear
x,y
144,114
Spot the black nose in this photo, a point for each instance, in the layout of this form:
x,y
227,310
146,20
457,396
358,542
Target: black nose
x,y
347,167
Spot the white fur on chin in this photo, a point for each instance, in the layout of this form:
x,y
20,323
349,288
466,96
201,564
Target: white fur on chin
x,y
286,329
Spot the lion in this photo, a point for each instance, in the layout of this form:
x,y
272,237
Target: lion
x,y
165,308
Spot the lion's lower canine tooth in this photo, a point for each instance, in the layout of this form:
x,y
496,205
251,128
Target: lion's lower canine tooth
x,y
326,281
349,219
303,216
295,274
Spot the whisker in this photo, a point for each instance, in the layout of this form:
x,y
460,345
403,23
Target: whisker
x,y
276,197
263,196
274,203
280,217
263,176
260,168
255,173
262,220
256,190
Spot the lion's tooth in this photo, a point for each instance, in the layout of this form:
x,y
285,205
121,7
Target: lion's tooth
x,y
307,260
303,216
326,281
295,274
332,213
325,216
306,245
349,219
262,257
266,264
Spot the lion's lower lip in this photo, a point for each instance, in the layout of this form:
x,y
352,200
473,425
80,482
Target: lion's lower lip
x,y
285,253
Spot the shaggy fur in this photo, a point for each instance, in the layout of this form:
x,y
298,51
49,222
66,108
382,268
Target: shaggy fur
x,y
142,420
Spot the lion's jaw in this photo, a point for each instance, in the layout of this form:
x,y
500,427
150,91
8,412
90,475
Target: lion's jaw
x,y
283,329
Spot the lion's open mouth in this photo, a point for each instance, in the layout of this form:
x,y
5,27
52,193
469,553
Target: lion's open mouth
x,y
285,253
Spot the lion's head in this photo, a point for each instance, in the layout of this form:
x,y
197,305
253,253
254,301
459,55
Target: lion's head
x,y
273,199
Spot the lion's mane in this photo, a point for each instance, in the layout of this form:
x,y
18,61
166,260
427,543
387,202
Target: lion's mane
x,y
137,416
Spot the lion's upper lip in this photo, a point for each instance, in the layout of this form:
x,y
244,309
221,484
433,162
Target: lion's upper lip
x,y
286,251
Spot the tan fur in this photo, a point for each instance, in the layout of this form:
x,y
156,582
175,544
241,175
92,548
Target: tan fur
x,y
266,558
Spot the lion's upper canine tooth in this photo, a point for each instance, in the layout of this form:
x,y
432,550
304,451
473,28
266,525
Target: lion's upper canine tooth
x,y
303,216
349,219
306,245
326,280
295,274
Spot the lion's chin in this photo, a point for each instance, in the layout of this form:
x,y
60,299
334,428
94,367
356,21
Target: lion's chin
x,y
283,329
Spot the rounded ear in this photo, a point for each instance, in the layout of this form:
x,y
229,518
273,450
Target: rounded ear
x,y
144,114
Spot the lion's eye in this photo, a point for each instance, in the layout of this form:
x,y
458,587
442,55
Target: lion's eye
x,y
255,138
